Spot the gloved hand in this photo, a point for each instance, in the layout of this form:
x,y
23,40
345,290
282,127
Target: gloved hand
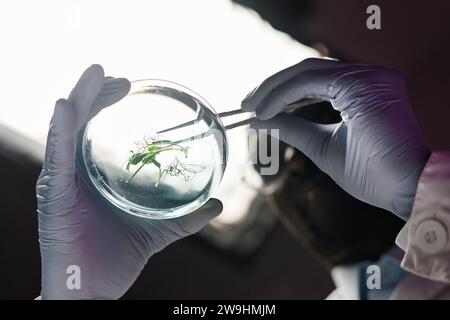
x,y
110,248
376,153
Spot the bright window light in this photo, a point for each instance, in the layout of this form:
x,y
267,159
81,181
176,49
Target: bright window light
x,y
216,48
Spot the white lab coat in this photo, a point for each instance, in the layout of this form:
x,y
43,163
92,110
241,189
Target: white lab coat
x,y
424,241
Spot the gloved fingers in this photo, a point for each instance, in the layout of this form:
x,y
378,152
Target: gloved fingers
x,y
113,90
310,138
91,93
195,221
257,95
60,147
375,85
86,91
315,84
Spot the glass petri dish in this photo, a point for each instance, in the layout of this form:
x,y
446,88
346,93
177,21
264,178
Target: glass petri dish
x,y
151,174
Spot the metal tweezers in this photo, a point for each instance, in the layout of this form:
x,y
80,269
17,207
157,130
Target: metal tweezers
x,y
291,108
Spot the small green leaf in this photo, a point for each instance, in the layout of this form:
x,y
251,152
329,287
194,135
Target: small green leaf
x,y
156,163
135,159
152,148
149,158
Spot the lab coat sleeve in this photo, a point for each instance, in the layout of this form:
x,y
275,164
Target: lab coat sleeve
x,y
425,237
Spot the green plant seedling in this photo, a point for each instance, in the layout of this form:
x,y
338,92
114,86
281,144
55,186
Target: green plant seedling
x,y
147,154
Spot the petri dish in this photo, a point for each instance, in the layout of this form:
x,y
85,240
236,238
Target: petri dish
x,y
148,173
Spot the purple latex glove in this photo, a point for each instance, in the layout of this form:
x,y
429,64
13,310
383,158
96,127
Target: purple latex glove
x,y
78,231
376,153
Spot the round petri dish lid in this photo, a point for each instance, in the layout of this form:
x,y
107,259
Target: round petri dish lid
x,y
151,174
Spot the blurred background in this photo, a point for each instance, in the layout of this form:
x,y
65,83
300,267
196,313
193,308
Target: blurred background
x,y
278,238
